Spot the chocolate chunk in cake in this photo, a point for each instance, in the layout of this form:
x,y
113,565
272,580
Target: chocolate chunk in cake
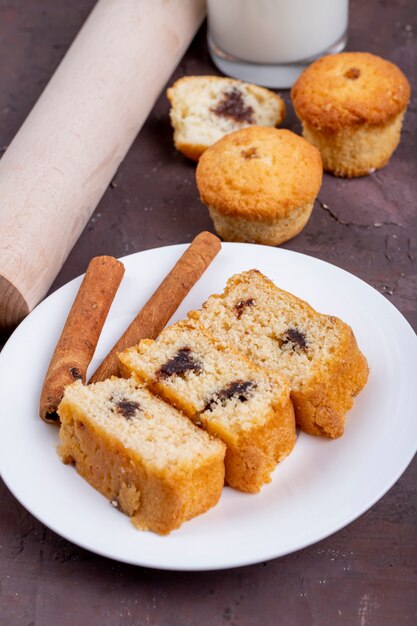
x,y
182,362
353,73
294,339
238,388
127,408
242,305
233,106
250,153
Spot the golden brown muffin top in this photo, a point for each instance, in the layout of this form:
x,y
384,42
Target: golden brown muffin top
x,y
348,89
259,173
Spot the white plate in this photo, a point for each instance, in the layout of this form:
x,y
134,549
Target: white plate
x,y
321,487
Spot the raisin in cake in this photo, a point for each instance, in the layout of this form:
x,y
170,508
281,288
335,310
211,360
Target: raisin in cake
x,y
205,108
249,408
318,353
148,459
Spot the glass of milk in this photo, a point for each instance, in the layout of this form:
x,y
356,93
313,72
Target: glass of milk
x,y
270,42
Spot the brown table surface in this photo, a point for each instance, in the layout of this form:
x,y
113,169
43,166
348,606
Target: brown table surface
x,y
364,575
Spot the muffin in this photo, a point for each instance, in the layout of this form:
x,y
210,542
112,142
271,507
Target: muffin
x,y
205,108
260,184
351,106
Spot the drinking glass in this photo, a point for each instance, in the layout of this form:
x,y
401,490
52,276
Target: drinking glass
x,y
270,42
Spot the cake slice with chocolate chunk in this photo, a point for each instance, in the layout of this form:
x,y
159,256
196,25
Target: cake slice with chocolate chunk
x,y
205,108
318,353
246,406
146,457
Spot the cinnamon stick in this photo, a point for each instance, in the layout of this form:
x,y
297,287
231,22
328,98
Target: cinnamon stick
x,y
81,332
164,302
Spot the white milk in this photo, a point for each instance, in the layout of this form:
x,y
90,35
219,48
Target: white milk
x,y
279,32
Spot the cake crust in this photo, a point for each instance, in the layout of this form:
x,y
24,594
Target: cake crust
x,y
250,459
259,173
356,151
268,233
350,89
329,394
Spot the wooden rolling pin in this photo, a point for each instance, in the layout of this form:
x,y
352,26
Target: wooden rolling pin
x,y
58,166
